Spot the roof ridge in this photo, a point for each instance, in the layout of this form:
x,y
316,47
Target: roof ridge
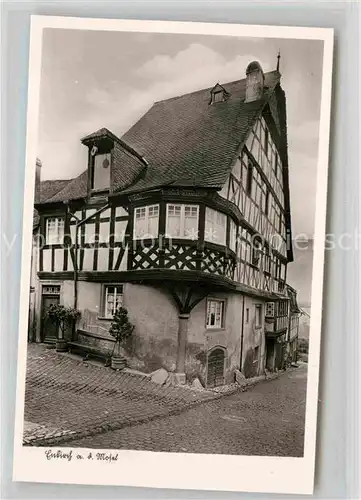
x,y
208,88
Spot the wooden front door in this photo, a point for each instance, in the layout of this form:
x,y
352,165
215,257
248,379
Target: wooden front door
x,y
49,332
215,371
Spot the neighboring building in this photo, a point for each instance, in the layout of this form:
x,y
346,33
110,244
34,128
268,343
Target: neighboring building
x,y
43,190
294,320
185,220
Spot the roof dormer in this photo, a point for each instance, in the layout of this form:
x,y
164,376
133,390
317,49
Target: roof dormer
x,y
100,145
218,94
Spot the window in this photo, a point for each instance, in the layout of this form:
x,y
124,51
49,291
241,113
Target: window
x,y
249,178
266,138
258,316
256,354
146,221
267,260
270,309
54,230
218,96
282,308
215,313
247,315
182,221
113,299
215,227
100,179
266,202
256,252
232,235
276,164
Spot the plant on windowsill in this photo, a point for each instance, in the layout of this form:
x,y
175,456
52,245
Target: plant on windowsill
x,y
63,318
121,329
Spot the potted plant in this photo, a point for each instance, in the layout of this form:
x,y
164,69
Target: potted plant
x,y
62,317
121,329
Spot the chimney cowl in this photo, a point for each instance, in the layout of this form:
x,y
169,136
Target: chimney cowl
x,y
254,82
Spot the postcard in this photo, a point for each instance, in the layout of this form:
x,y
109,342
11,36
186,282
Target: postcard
x,y
173,249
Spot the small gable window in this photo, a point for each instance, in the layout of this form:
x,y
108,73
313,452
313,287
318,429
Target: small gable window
x,y
218,94
100,171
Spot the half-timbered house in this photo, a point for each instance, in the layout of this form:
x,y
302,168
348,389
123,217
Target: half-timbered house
x,y
184,220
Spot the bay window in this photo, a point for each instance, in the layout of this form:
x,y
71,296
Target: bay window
x,y
146,222
215,226
54,230
182,221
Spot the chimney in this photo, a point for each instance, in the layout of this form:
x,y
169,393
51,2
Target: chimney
x,y
37,181
254,82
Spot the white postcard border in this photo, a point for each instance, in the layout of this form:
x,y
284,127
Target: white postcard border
x,y
175,470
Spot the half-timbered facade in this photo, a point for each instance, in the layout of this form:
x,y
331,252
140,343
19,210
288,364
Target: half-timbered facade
x,y
185,220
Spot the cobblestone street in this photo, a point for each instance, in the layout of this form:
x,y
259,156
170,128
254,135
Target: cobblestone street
x,y
68,397
94,407
268,419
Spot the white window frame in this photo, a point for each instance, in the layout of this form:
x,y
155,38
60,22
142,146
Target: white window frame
x,y
148,211
212,226
58,235
218,325
118,286
183,208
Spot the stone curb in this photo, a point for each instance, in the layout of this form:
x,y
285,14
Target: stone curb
x,y
118,425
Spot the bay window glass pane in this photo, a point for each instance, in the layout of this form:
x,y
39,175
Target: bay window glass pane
x,y
190,222
173,221
215,226
146,221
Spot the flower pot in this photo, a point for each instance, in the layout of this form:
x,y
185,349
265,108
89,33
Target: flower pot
x,y
61,345
118,363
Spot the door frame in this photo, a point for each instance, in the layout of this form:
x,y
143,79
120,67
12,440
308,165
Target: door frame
x,y
214,348
43,284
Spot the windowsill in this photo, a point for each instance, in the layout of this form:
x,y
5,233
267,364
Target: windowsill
x,y
215,330
104,318
258,327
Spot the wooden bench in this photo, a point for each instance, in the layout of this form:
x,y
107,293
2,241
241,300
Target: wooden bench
x,y
90,351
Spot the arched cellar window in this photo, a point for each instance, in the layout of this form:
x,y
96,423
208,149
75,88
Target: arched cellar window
x,y
215,367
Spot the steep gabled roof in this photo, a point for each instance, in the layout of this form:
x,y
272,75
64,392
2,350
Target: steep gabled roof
x,y
182,141
48,189
188,141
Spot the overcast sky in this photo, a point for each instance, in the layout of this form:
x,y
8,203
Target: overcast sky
x,y
94,79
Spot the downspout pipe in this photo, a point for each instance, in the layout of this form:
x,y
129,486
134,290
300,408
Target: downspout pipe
x,y
242,334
